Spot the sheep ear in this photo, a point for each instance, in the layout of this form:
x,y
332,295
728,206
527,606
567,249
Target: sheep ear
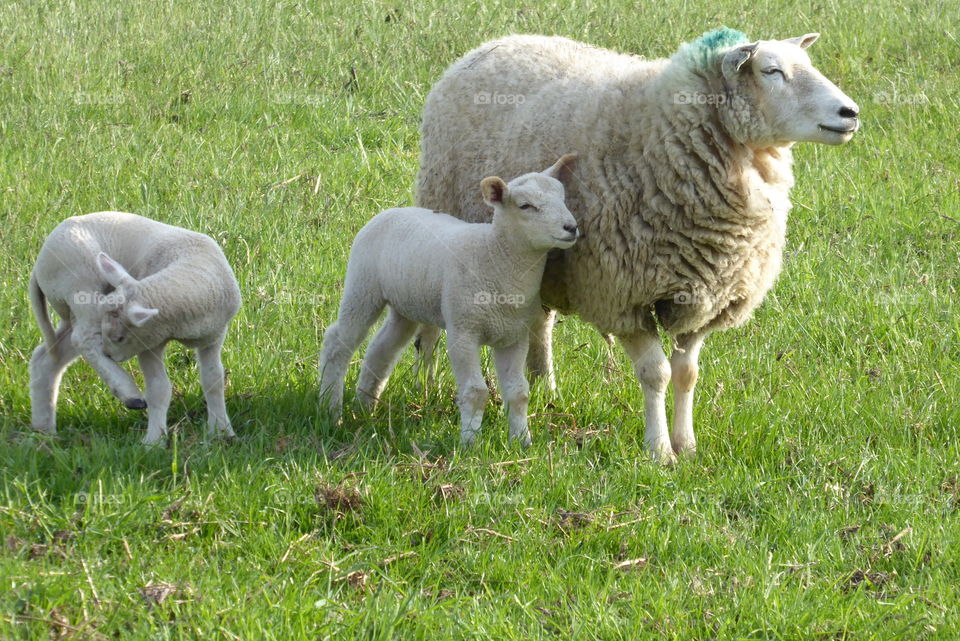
x,y
112,271
804,41
734,59
494,190
138,315
562,170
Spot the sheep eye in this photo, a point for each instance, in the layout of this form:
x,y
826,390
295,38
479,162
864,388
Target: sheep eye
x,y
773,70
120,339
527,206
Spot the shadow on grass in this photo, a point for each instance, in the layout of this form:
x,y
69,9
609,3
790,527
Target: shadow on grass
x,y
279,426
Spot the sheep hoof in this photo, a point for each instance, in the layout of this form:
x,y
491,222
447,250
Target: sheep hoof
x,y
135,404
523,439
685,450
666,458
153,441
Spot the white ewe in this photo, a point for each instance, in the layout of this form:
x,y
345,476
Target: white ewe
x,y
124,286
480,282
681,191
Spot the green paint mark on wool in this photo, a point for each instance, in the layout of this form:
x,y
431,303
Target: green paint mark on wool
x,y
701,53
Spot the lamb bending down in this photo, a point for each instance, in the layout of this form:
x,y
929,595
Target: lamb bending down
x,y
681,190
124,286
480,282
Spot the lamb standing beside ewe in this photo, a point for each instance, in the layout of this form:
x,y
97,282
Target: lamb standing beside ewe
x,y
125,286
681,191
480,282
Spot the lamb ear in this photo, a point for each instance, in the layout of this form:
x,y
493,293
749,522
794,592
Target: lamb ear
x,y
562,170
737,57
138,315
803,41
494,190
112,271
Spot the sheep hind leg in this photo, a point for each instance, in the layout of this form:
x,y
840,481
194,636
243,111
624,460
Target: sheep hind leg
x,y
159,390
212,381
540,354
653,369
382,356
426,361
515,389
46,371
684,368
472,392
340,341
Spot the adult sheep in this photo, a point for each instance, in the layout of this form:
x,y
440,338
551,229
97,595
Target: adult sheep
x,y
681,191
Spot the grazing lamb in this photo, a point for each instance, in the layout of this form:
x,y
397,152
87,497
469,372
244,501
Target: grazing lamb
x,y
125,286
480,282
681,191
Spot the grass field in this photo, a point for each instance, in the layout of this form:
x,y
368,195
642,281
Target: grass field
x,y
824,500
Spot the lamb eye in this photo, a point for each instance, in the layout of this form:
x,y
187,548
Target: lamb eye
x,y
527,206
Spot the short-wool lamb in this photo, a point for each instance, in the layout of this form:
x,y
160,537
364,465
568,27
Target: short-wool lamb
x,y
479,282
125,286
681,191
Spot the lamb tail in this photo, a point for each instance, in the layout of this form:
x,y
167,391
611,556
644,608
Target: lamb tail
x,y
39,303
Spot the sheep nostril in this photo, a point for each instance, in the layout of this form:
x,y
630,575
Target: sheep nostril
x,y
849,112
572,229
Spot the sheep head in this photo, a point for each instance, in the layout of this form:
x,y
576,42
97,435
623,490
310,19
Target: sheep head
x,y
773,95
533,205
123,314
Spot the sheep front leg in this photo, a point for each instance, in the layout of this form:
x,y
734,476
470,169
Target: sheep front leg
x,y
212,381
683,363
515,389
540,354
159,390
89,345
472,393
653,369
46,370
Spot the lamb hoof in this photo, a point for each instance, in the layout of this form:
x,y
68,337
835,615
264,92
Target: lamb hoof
x,y
135,404
664,457
524,440
685,450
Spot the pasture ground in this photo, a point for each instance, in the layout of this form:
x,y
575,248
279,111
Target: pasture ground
x,y
824,500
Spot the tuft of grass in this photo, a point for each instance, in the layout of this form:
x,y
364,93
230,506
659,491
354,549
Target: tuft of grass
x,y
822,504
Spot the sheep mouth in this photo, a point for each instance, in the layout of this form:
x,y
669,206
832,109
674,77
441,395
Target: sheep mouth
x,y
837,130
572,238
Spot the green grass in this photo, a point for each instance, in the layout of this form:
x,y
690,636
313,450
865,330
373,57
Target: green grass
x,y
827,426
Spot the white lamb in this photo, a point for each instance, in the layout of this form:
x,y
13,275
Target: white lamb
x,y
478,281
124,286
681,190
